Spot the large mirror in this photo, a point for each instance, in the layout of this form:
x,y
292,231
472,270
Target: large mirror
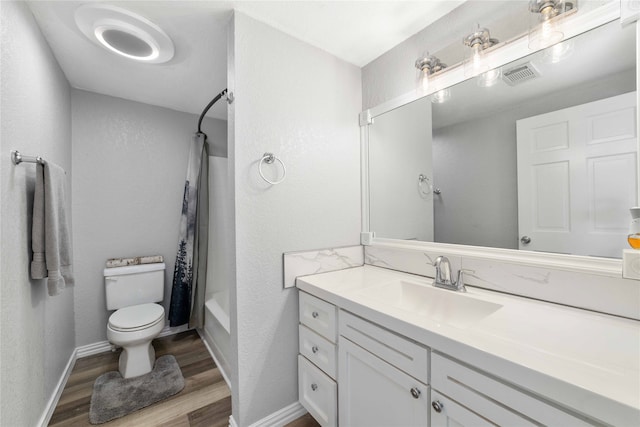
x,y
544,160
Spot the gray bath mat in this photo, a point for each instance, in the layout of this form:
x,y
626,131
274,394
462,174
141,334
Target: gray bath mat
x,y
114,397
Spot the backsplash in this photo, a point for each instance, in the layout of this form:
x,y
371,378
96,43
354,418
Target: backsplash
x,y
303,263
611,295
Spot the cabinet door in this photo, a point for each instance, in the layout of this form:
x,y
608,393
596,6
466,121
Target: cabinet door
x,y
372,393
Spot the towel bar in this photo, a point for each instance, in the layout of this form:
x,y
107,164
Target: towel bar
x,y
18,158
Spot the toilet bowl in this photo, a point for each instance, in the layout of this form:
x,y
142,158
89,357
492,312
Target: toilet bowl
x,y
133,328
133,292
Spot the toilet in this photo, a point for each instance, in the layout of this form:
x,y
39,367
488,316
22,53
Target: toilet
x,y
133,292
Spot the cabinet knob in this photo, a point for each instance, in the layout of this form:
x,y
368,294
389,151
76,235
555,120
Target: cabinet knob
x,y
437,406
314,387
314,349
525,240
415,393
314,314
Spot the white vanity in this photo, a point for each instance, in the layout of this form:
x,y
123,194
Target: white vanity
x,y
384,348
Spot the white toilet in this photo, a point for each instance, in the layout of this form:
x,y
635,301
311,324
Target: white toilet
x,y
133,291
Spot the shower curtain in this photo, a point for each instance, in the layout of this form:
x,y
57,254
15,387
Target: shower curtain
x,y
190,272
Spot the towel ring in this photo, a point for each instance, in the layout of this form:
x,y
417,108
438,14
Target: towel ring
x,y
424,185
269,158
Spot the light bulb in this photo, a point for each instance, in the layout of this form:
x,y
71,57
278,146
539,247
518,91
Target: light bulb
x,y
424,79
545,29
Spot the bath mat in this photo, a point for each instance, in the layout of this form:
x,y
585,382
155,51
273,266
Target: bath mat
x,y
114,397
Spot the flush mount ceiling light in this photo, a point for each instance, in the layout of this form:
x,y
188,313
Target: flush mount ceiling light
x,y
427,66
474,57
544,22
123,32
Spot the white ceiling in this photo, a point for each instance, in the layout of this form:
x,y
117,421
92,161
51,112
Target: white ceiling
x,y
355,31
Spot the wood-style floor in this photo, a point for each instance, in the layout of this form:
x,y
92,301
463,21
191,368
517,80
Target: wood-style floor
x,y
204,401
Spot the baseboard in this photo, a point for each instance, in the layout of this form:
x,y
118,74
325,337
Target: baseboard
x,y
278,418
104,346
57,392
213,356
91,349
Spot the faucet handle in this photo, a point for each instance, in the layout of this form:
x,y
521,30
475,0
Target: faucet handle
x,y
460,281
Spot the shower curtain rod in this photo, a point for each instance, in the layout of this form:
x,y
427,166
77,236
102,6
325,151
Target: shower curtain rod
x,y
209,105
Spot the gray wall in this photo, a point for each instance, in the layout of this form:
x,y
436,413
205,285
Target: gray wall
x,y
301,104
475,167
37,331
130,162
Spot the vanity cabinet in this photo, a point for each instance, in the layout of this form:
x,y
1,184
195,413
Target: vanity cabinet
x,y
355,373
317,387
382,377
464,396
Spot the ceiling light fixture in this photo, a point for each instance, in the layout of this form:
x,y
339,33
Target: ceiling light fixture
x,y
427,66
477,42
124,32
544,22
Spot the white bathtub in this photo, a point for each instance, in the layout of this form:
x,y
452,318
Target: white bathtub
x,y
216,308
217,305
216,329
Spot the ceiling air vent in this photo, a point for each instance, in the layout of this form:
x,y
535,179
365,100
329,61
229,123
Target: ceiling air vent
x,y
520,74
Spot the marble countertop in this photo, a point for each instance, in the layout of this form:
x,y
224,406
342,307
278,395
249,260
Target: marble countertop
x,y
587,361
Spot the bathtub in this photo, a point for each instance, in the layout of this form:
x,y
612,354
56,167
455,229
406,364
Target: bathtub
x,y
216,330
217,305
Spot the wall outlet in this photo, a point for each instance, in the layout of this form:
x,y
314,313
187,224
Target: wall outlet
x,y
631,264
366,238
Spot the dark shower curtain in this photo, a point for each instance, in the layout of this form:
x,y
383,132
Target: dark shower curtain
x,y
190,272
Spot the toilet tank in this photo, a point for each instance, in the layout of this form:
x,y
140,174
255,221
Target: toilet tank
x,y
135,284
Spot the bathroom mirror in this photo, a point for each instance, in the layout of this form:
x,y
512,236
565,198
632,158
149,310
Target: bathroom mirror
x,y
544,160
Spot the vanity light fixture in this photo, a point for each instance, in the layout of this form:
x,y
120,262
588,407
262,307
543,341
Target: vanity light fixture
x,y
126,33
558,52
489,78
544,21
477,42
427,66
441,96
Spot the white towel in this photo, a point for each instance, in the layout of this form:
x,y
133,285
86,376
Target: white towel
x,y
50,238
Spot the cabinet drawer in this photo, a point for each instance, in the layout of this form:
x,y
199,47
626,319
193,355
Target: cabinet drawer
x,y
493,399
318,315
317,393
406,355
318,350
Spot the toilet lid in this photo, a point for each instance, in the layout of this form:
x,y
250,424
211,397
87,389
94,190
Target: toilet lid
x,y
136,317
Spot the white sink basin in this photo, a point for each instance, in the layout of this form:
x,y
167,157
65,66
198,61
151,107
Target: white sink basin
x,y
452,308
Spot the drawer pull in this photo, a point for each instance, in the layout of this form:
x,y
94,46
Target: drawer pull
x,y
314,349
315,314
437,406
314,387
415,393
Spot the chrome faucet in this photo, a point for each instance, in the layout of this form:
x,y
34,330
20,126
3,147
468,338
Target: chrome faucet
x,y
443,276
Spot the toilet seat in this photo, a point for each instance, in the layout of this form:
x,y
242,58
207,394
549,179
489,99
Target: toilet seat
x,y
136,317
